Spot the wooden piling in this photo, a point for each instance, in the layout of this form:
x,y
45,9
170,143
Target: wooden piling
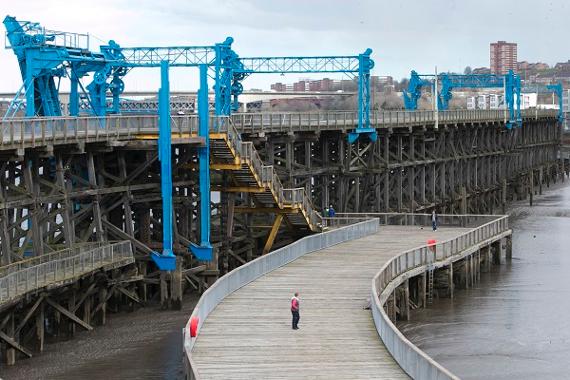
x,y
176,285
450,280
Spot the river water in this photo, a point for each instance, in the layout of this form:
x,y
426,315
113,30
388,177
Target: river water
x,y
515,323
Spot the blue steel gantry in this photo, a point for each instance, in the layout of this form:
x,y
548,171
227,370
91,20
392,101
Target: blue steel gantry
x,y
414,92
43,58
555,89
46,57
356,66
509,82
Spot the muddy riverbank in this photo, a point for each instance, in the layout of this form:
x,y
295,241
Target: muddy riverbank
x,y
145,344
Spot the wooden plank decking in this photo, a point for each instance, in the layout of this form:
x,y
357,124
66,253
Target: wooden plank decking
x,y
249,334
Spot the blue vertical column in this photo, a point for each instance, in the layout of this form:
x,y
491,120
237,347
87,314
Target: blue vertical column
x,y
74,94
30,85
204,251
165,261
365,64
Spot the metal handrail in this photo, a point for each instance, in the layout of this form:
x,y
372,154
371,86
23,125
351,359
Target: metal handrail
x,y
414,361
254,269
31,132
267,177
51,256
62,268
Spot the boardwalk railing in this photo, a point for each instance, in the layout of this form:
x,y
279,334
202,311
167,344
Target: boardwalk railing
x,y
405,219
32,132
415,362
22,277
251,271
329,120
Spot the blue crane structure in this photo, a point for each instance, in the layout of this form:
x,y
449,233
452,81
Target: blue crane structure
x,y
356,66
510,82
414,92
46,57
549,88
229,70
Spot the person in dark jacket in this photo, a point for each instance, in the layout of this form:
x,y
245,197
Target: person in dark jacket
x,y
434,220
295,305
331,212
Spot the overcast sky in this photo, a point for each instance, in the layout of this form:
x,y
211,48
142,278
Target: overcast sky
x,y
404,34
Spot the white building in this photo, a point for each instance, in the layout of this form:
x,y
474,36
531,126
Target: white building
x,y
482,102
529,100
496,102
479,102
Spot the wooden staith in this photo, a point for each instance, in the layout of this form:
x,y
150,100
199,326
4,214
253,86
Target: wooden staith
x,y
249,334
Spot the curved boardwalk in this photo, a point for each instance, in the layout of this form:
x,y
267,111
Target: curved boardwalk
x,y
249,334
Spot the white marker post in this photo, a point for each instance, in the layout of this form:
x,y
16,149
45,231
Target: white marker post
x,y
435,101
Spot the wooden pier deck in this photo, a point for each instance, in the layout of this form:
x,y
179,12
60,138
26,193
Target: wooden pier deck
x,y
249,335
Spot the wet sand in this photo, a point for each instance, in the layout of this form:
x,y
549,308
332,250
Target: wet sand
x,y
145,344
515,324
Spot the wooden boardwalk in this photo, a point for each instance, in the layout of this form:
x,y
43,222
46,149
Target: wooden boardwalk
x,y
249,334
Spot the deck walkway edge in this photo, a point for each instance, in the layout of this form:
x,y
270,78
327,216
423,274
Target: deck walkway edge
x,y
415,362
255,269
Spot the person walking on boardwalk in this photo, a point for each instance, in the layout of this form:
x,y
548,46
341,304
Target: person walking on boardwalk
x,y
331,212
295,304
434,220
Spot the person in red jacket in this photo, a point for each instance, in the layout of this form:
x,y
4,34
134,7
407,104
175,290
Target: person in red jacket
x,y
295,304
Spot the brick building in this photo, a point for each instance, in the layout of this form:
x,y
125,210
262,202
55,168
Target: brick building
x,y
503,57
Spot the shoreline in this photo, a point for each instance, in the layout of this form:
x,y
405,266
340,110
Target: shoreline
x,y
434,330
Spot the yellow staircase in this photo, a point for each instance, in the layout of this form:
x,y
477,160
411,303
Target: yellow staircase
x,y
228,151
